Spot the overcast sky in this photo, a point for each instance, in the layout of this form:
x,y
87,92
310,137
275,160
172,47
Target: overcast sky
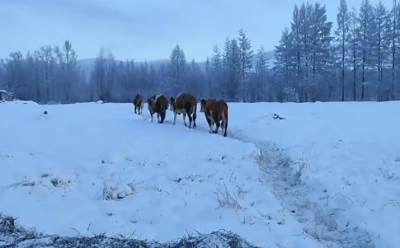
x,y
145,29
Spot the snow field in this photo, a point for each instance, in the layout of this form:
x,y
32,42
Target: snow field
x,y
85,169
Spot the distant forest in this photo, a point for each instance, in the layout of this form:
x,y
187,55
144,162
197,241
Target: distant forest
x,y
355,59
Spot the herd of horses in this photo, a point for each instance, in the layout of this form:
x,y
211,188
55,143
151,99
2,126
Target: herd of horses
x,y
216,111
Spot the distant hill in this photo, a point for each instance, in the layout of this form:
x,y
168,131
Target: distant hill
x,y
87,65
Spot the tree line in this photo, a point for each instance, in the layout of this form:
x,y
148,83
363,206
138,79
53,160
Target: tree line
x,y
360,60
315,60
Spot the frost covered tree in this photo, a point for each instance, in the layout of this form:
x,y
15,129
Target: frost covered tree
x,y
382,45
47,62
177,69
342,37
49,74
231,68
246,54
321,53
367,28
246,63
395,47
354,50
216,73
304,52
195,79
104,75
15,72
67,70
260,89
285,66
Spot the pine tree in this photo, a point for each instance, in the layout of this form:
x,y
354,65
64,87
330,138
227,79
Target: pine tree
x,y
246,62
320,50
177,69
246,54
232,75
216,74
285,59
354,49
68,72
342,36
259,89
46,59
104,75
366,24
382,43
395,43
307,47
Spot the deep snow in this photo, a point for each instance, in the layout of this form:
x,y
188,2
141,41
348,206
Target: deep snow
x,y
326,175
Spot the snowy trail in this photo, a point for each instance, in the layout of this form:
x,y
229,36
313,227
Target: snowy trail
x,y
325,225
322,223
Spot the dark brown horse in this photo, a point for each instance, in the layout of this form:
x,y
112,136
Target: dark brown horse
x,y
184,104
138,103
158,104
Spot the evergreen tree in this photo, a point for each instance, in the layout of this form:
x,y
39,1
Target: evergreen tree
x,y
395,46
382,44
342,37
285,63
354,49
232,65
15,73
246,62
177,69
217,73
259,89
320,51
307,47
104,75
366,25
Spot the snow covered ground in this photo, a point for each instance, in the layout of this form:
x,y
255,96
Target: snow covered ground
x,y
328,174
343,162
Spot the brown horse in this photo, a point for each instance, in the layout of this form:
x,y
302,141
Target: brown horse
x,y
138,103
158,104
187,105
216,112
